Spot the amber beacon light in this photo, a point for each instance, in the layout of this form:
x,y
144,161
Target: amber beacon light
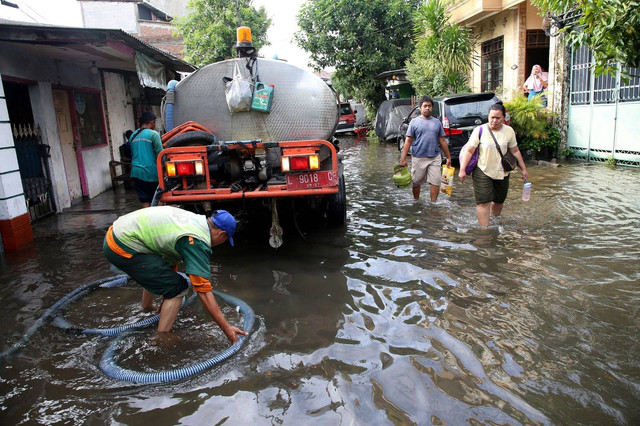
x,y
243,37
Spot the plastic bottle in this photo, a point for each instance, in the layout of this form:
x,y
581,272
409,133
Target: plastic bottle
x,y
526,192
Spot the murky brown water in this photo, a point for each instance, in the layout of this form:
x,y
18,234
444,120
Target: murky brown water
x,y
412,314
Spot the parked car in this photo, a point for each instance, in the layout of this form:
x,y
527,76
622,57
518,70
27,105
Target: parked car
x,y
459,115
347,121
389,118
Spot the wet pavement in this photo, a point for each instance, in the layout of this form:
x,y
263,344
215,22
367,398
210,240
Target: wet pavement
x,y
95,213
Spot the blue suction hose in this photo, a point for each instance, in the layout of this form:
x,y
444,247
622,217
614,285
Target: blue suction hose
x,y
107,363
60,304
111,369
62,323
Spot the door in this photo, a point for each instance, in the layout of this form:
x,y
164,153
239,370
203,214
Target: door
x,y
70,151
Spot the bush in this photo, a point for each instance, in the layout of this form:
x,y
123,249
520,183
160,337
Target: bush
x,y
532,124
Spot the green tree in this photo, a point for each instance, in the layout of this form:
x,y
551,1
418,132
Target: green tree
x,y
360,39
610,28
444,53
209,30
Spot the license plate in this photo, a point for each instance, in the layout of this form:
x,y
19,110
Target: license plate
x,y
312,179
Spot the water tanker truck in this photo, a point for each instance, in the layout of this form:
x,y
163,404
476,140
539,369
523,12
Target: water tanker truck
x,y
255,135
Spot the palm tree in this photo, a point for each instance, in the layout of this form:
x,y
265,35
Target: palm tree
x,y
444,52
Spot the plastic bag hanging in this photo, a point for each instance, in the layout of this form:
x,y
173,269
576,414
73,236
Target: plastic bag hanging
x,y
239,91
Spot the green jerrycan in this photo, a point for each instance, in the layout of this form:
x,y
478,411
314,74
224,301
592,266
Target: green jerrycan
x,y
262,96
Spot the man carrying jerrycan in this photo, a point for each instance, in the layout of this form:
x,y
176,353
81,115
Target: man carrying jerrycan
x,y
426,139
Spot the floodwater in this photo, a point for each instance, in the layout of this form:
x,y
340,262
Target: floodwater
x,y
409,314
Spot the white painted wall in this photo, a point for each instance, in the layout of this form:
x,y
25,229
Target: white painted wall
x,y
12,201
120,107
96,167
113,15
44,115
173,8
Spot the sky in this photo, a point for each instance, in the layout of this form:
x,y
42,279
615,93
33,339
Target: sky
x,y
282,13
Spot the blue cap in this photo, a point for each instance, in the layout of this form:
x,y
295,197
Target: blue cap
x,y
225,222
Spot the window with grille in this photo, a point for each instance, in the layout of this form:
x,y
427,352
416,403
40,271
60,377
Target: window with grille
x,y
536,39
492,63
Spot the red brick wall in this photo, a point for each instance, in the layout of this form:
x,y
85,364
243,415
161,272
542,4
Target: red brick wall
x,y
159,35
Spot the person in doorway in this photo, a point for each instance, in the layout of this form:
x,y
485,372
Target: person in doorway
x,y
425,138
145,147
148,244
490,181
536,83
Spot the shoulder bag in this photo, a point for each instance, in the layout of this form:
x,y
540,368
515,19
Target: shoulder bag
x,y
473,161
509,161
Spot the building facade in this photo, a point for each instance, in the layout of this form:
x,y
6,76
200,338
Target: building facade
x,y
68,97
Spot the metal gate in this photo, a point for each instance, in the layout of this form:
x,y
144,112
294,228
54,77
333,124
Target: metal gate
x,y
603,113
34,170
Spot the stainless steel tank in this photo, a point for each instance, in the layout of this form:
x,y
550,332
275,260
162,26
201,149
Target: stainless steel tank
x,y
303,106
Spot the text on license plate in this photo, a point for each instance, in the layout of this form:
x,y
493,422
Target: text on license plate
x,y
312,179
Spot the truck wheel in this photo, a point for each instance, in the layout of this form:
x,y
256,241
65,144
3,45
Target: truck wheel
x,y
194,138
337,206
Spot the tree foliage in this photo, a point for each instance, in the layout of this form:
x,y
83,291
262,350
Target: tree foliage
x,y
360,39
444,53
209,30
610,28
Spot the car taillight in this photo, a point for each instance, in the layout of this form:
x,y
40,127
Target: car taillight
x,y
450,132
445,123
300,162
184,168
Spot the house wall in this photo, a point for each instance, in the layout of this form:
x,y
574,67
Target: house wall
x,y
15,223
172,7
113,15
160,35
119,105
502,24
47,73
44,115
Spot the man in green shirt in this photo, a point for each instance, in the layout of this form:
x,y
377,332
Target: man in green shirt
x,y
146,144
148,244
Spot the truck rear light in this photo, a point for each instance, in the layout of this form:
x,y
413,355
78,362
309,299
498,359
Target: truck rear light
x,y
314,162
185,168
301,162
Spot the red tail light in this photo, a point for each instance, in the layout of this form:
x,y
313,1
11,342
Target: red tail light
x,y
445,123
450,132
299,163
186,169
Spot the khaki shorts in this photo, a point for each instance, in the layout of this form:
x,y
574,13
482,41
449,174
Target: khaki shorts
x,y
488,190
426,169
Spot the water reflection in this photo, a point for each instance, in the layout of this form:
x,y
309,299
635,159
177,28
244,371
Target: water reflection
x,y
413,314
